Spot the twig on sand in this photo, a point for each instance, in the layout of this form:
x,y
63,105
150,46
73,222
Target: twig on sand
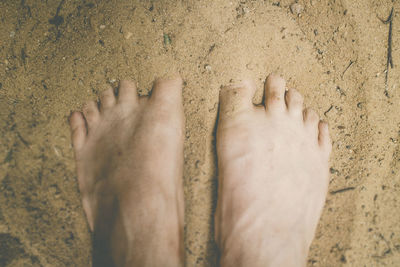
x,y
342,190
389,62
329,109
348,66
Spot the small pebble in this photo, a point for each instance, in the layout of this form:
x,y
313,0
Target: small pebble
x,y
296,9
128,35
57,151
333,171
167,39
207,67
12,34
250,66
102,27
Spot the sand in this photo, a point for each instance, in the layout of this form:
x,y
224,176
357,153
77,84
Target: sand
x,y
55,56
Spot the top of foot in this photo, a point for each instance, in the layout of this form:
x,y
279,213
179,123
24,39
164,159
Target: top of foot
x,y
273,175
130,194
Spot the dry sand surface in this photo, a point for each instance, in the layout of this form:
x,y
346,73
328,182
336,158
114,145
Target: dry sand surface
x,y
55,55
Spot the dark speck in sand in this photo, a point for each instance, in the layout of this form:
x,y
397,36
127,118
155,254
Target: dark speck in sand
x,y
56,20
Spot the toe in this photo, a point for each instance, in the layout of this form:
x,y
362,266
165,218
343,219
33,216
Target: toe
x,y
167,91
91,113
127,93
236,98
274,93
88,211
324,139
294,102
78,130
107,99
311,120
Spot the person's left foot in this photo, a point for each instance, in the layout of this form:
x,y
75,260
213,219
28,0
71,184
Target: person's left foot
x,y
129,157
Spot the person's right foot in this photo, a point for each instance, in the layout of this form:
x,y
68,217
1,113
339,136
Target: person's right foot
x,y
129,157
273,176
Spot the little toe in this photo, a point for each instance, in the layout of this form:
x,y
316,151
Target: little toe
x,y
294,102
107,99
78,130
167,91
311,120
274,93
236,98
324,139
127,93
91,113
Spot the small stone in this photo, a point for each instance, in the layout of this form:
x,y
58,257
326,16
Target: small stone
x,y
167,39
102,27
12,34
250,66
315,32
296,9
207,67
112,80
128,35
57,151
333,171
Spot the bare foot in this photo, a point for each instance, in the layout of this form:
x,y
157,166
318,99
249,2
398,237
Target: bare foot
x,y
129,157
273,176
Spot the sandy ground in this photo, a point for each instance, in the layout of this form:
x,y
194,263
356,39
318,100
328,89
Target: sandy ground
x,y
55,55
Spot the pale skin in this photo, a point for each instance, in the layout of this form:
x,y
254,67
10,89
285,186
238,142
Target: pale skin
x,y
273,175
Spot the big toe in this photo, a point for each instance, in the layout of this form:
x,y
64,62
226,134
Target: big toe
x,y
167,92
274,93
234,99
